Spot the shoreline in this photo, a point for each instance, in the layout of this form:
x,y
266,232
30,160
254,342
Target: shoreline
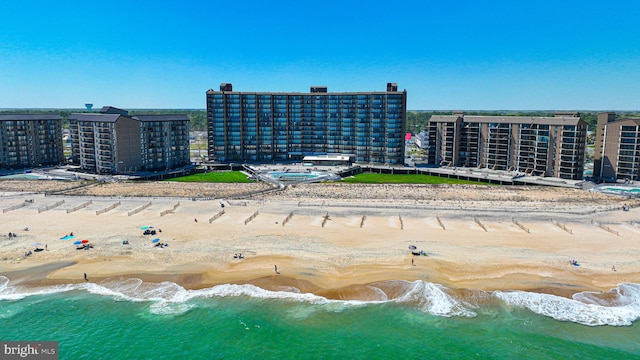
x,y
344,287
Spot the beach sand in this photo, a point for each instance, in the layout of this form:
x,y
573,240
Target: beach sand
x,y
340,237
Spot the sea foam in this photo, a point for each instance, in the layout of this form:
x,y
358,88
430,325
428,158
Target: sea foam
x,y
582,309
432,298
619,307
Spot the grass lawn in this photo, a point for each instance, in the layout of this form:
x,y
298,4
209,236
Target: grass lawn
x,y
217,177
373,178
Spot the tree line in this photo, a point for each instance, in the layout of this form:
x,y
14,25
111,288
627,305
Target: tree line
x,y
417,120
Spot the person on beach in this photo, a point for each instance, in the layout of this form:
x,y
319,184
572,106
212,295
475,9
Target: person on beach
x,y
85,277
276,268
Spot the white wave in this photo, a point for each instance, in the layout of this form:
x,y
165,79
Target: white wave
x,y
431,298
9,292
577,310
232,290
621,307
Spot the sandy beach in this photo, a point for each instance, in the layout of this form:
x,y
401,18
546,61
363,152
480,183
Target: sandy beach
x,y
337,237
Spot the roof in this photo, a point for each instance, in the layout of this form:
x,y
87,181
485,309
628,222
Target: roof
x,y
544,120
8,117
164,117
624,122
113,110
95,117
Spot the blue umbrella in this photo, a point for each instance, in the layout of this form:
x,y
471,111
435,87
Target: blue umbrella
x,y
156,240
77,242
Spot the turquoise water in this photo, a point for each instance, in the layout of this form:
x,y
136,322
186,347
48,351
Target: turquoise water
x,y
22,176
622,189
128,319
295,176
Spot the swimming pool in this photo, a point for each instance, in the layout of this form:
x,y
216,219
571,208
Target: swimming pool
x,y
22,176
632,190
297,176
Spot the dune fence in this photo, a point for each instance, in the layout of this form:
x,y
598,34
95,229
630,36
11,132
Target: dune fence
x,y
216,216
135,211
108,208
49,207
17,206
81,206
170,211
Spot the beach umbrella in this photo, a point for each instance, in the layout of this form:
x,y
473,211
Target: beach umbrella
x,y
156,240
77,242
84,241
412,247
37,244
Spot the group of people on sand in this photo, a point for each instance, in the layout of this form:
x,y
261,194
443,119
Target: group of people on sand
x,y
86,246
238,256
160,245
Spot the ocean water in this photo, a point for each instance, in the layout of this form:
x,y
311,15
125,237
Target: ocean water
x,y
130,319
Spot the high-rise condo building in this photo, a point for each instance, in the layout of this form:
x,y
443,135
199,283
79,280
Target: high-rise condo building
x,y
542,146
283,126
112,142
30,140
617,154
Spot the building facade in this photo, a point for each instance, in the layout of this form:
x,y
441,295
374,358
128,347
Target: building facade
x,y
164,141
267,127
541,146
30,140
617,154
112,142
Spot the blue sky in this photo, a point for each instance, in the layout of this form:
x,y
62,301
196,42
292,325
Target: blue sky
x,y
466,55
